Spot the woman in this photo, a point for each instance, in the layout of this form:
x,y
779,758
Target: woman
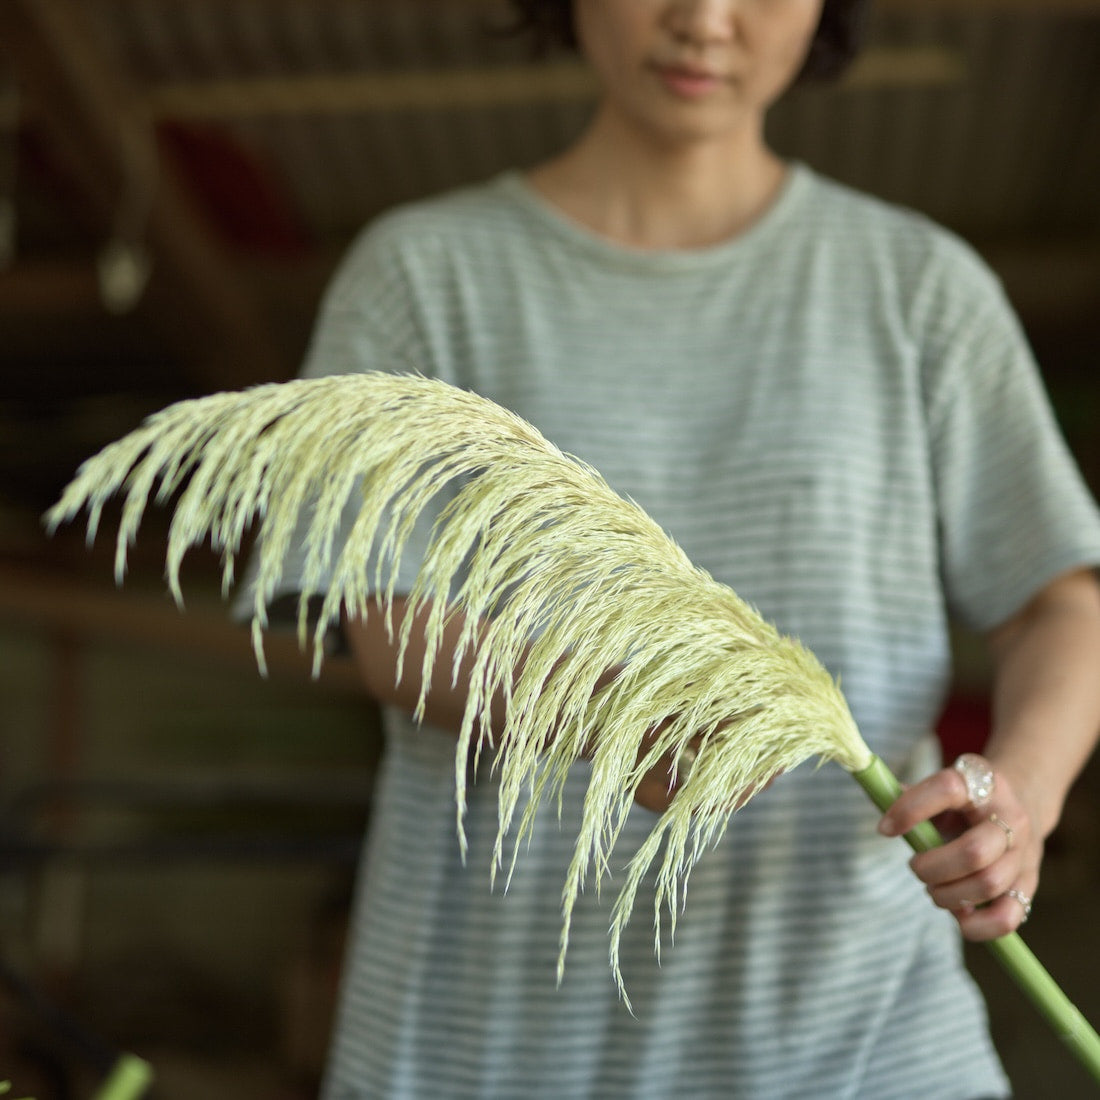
x,y
824,400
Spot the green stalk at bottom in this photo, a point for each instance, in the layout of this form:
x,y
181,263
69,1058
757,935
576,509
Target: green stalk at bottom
x,y
1014,955
128,1080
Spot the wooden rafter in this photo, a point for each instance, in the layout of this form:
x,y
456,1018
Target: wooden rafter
x,y
1040,7
562,81
44,288
37,599
1036,7
101,134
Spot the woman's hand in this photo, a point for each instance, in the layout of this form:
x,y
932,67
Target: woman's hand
x,y
1046,718
988,871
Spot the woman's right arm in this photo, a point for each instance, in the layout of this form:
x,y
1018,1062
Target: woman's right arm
x,y
375,656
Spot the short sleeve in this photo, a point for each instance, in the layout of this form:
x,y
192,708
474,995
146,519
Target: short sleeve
x,y
367,321
1014,510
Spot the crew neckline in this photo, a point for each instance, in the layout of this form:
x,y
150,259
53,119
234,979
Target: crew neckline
x,y
514,183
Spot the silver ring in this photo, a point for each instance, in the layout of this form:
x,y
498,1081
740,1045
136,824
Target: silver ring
x,y
977,773
685,761
1023,899
1004,825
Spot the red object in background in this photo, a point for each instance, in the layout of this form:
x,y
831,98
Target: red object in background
x,y
963,726
242,196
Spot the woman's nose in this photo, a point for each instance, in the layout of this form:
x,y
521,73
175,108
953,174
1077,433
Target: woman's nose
x,y
702,22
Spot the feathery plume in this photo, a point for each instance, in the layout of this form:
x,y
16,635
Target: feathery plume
x,y
625,651
603,639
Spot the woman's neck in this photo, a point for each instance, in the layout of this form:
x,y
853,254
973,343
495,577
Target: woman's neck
x,y
651,195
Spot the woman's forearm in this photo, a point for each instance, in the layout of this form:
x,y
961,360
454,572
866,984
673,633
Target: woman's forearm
x,y
376,657
1046,694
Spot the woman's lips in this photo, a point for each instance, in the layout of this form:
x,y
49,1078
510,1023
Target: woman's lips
x,y
688,83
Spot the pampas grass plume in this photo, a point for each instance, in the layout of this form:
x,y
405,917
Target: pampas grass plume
x,y
602,637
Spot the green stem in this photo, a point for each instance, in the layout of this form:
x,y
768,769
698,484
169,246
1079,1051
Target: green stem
x,y
128,1080
1011,951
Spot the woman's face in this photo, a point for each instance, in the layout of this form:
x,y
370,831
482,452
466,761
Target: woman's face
x,y
686,70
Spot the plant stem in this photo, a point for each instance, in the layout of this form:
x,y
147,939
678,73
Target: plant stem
x,y
129,1080
1014,955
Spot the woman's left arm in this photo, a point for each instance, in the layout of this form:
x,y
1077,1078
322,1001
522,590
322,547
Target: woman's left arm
x,y
1046,720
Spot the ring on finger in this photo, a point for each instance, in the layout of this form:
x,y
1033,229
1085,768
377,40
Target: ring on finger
x,y
977,773
1007,829
1023,899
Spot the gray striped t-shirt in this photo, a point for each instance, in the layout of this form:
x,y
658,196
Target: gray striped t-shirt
x,y
836,414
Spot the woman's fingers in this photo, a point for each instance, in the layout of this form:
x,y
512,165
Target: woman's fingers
x,y
980,846
1001,916
986,874
939,793
972,869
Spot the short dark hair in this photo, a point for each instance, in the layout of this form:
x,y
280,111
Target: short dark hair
x,y
836,42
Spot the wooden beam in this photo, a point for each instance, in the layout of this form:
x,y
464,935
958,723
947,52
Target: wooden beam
x,y
1040,7
498,86
36,599
1046,279
102,134
48,287
965,7
1050,282
905,67
565,81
